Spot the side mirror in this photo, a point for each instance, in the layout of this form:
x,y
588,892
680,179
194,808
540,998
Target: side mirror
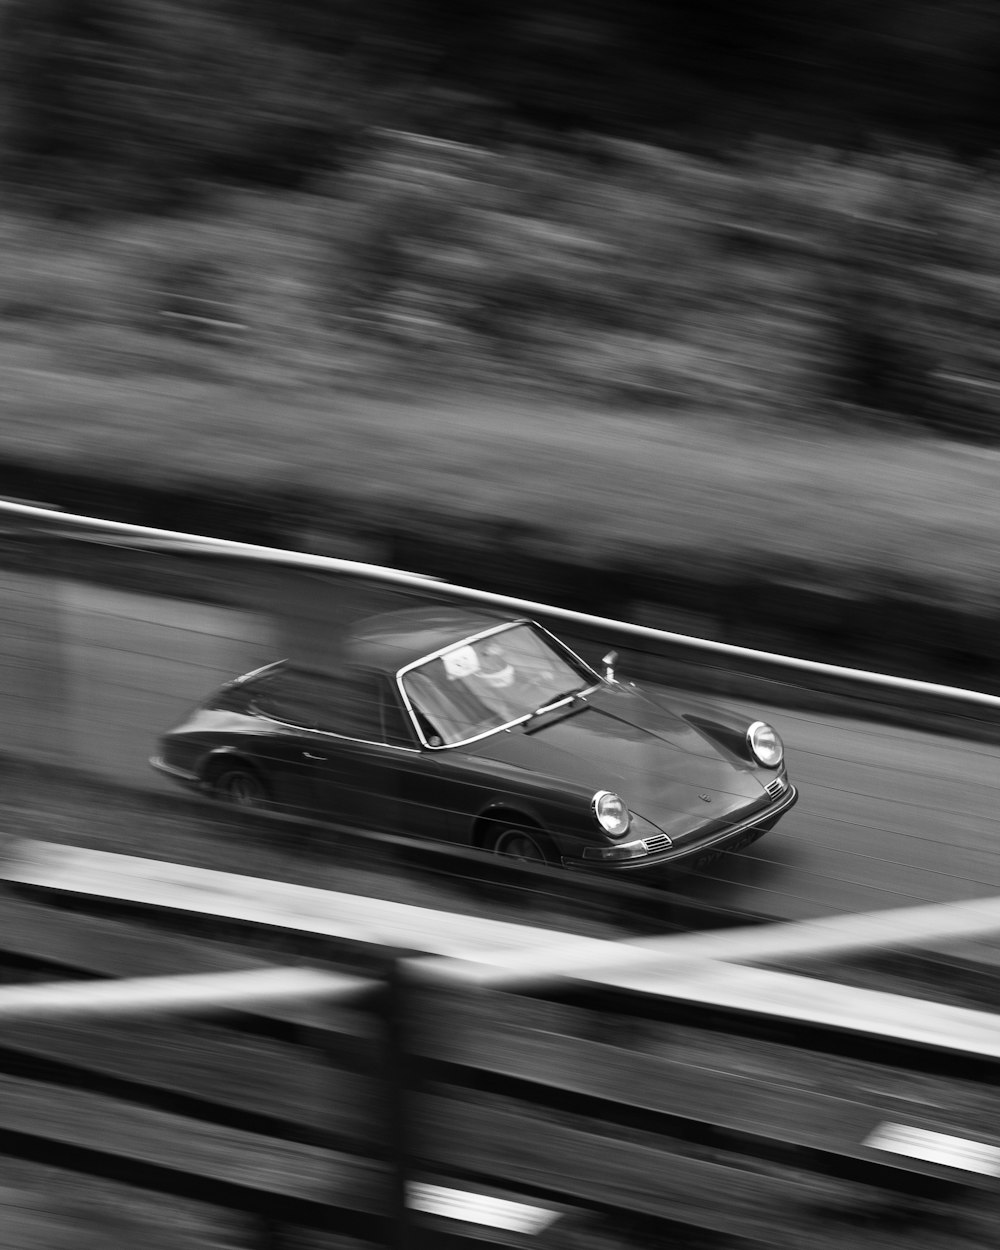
x,y
609,661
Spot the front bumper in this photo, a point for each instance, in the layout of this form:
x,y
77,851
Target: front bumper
x,y
731,838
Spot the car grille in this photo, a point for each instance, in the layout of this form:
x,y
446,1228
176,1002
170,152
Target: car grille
x,y
658,842
775,787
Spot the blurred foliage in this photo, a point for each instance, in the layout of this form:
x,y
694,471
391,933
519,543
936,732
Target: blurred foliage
x,y
788,280
569,194
136,103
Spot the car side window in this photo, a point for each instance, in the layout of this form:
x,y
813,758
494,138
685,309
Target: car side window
x,y
354,703
294,696
357,706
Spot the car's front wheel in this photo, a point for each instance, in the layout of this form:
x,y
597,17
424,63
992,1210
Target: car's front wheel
x,y
240,786
526,845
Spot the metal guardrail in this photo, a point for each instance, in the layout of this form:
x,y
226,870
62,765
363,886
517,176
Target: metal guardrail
x,y
473,949
210,991
463,1021
77,526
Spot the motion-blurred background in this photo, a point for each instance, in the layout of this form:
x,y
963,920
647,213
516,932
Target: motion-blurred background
x,y
665,285
775,207
682,312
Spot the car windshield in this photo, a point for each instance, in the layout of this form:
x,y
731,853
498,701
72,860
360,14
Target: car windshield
x,y
482,685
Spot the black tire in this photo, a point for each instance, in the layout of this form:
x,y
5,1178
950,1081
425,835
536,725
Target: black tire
x,y
528,846
240,786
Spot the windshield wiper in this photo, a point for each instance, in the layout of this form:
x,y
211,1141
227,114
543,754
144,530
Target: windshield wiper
x,y
563,701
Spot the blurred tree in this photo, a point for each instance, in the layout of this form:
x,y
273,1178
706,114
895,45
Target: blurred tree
x,y
124,104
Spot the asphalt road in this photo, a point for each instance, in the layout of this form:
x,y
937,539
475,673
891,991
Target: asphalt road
x,y
886,817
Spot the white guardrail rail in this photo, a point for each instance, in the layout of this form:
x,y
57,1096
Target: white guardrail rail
x,y
126,534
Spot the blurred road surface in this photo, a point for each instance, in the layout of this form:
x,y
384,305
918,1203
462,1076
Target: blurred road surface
x,y
136,663
887,817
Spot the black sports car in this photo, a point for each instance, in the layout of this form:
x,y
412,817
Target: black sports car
x,y
462,726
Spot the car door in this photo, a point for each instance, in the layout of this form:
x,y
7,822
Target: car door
x,y
344,748
367,767
426,805
288,757
290,745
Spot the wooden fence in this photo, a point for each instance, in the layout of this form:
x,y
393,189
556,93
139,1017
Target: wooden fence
x,y
415,1108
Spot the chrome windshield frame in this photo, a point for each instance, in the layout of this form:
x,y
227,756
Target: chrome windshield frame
x,y
520,720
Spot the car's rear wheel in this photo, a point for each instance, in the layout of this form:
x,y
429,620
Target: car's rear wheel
x,y
526,845
240,786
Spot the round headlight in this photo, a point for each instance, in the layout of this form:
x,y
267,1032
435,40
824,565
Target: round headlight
x,y
765,744
611,812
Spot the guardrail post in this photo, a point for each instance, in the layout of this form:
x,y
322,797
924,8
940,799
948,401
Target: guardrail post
x,y
399,1091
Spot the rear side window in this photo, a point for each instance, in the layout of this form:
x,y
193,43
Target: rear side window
x,y
353,703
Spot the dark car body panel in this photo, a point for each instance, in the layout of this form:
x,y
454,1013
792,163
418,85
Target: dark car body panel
x,y
659,763
689,777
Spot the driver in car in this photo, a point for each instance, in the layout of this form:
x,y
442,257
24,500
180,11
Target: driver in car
x,y
510,692
494,668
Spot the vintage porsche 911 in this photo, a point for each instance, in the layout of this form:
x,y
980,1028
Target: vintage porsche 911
x,y
457,725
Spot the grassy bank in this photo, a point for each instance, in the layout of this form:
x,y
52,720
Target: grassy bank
x,y
592,483
627,355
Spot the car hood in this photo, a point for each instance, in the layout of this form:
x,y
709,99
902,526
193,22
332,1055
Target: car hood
x,y
665,769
